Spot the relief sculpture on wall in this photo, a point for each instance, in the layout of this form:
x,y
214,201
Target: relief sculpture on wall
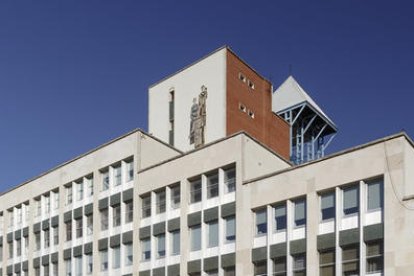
x,y
198,119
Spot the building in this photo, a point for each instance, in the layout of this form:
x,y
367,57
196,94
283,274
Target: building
x,y
221,201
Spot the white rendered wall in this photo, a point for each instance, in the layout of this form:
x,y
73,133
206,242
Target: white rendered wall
x,y
210,72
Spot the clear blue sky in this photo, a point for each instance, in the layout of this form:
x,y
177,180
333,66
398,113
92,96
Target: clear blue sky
x,y
74,74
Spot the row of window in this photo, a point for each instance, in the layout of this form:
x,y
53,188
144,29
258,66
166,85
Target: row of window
x,y
246,80
350,206
196,192
212,236
82,188
350,264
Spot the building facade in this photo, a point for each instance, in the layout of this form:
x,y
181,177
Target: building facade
x,y
234,205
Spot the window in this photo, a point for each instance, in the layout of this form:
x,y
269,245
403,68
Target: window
x,y
116,257
251,113
299,265
45,270
160,201
230,224
89,225
146,206
195,237
55,200
1,253
130,170
175,242
300,213
79,190
129,211
10,245
118,175
47,208
26,245
89,185
251,84
280,217
351,200
46,236
129,254
229,271
242,107
68,191
146,249
104,219
375,260
55,269
68,266
212,228
350,260
195,191
37,241
160,239
104,260
279,266
37,271
89,264
18,248
116,216
327,206
260,268
374,195
261,222
175,196
78,266
105,180
68,231
55,235
212,185
38,213
242,77
327,262
79,228
230,180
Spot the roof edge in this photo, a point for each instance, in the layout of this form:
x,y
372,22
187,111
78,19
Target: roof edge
x,y
342,152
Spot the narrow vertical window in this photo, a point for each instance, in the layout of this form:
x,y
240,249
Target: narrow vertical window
x,y
351,205
130,170
175,196
160,240
374,195
79,228
195,191
260,268
68,267
116,257
175,242
117,175
212,228
78,266
146,206
104,260
46,235
279,266
18,248
327,262
280,217
89,182
230,224
105,180
116,216
47,206
129,254
300,213
89,225
160,201
68,231
195,237
89,264
79,190
212,185
299,265
261,222
68,190
375,259
129,211
37,241
350,260
230,180
104,219
327,206
146,249
56,235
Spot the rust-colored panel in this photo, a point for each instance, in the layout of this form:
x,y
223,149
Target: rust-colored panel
x,y
266,127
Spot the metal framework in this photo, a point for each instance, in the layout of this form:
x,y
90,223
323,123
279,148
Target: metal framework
x,y
310,132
